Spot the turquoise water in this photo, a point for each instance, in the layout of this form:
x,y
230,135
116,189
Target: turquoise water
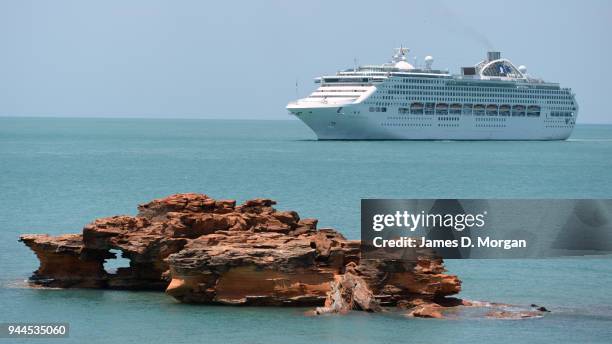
x,y
59,174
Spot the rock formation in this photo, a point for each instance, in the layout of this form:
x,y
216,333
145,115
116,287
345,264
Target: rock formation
x,y
201,250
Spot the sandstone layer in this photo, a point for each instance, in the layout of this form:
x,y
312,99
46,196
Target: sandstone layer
x,y
202,250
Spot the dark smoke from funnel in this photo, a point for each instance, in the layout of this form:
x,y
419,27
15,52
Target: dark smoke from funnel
x,y
454,23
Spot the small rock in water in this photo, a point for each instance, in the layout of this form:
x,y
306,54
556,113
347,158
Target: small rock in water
x,y
540,308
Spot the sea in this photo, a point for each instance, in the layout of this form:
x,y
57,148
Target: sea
x,y
58,174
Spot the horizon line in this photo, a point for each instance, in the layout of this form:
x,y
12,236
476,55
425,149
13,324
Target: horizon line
x,y
148,117
186,118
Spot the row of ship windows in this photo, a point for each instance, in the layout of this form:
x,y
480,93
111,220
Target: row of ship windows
x,y
421,81
428,81
405,124
470,106
491,119
490,125
455,112
469,109
468,94
443,125
464,99
455,125
480,89
559,102
404,118
452,119
556,120
561,114
464,88
483,100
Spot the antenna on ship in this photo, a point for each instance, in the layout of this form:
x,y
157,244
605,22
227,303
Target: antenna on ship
x,y
354,64
296,88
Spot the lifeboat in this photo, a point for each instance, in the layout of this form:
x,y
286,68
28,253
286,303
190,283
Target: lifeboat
x,y
518,110
504,110
441,108
455,109
533,111
416,108
492,110
429,108
479,109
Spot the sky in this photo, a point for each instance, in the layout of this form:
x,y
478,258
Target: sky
x,y
241,59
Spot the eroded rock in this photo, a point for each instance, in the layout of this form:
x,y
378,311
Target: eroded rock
x,y
202,250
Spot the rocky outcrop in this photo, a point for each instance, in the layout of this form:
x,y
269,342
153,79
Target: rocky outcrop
x,y
349,291
202,250
64,263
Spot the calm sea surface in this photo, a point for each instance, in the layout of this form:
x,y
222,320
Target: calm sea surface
x,y
58,174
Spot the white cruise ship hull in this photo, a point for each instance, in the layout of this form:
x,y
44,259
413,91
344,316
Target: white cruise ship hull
x,y
493,100
355,122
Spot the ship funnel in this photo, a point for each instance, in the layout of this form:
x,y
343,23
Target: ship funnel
x,y
493,55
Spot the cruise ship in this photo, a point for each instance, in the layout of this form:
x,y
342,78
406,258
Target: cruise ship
x,y
493,100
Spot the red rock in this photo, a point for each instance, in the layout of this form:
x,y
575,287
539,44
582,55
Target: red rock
x,y
349,291
202,250
64,264
427,310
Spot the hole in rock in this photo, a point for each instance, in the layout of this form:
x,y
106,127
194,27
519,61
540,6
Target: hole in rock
x,y
111,265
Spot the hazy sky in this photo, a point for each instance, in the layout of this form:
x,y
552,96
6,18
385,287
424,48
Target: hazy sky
x,y
230,59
